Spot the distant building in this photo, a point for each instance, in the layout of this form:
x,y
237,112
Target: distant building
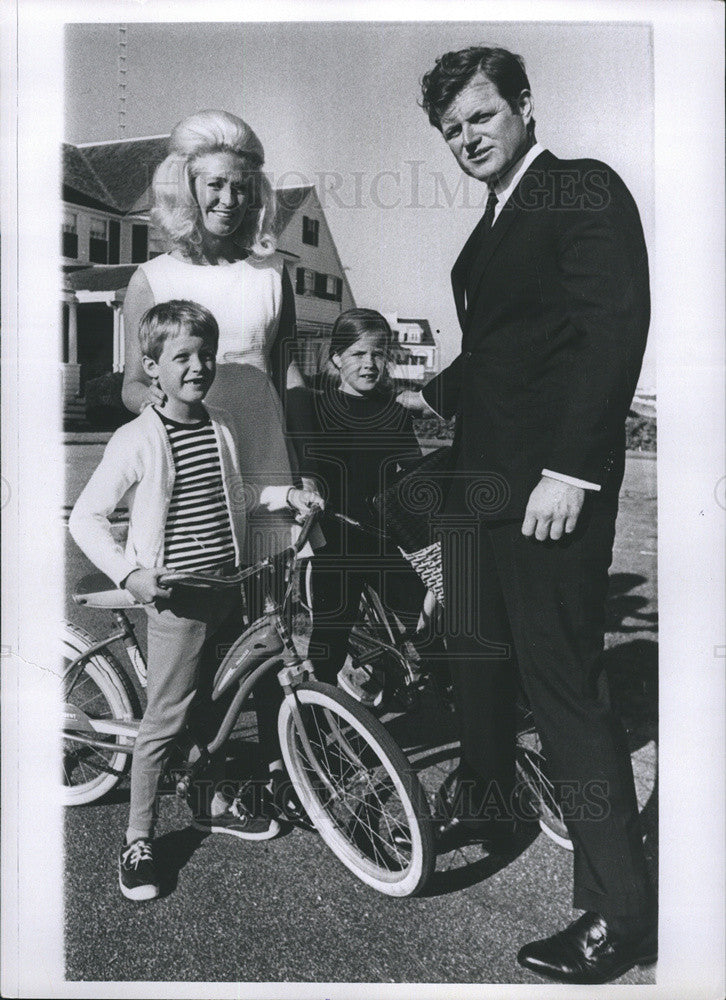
x,y
107,232
416,353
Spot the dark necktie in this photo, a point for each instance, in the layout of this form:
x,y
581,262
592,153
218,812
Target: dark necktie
x,y
488,220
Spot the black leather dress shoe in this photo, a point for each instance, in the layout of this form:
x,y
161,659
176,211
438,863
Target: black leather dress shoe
x,y
588,952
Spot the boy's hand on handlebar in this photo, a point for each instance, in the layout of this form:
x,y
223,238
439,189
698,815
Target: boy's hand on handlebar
x,y
143,584
303,502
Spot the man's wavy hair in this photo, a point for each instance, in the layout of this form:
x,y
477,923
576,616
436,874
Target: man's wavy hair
x,y
175,210
454,70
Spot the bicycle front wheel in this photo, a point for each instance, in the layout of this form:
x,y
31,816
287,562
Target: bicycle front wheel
x,y
358,789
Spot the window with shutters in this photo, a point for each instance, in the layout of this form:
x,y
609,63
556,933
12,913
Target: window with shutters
x,y
139,243
311,231
98,243
70,234
305,281
114,241
322,286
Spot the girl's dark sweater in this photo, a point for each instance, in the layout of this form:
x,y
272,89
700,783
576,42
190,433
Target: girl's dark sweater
x,y
359,445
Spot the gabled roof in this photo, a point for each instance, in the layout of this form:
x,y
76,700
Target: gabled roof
x,y
127,167
426,335
80,176
119,174
289,201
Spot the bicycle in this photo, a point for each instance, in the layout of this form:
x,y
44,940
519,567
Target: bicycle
x,y
382,648
352,778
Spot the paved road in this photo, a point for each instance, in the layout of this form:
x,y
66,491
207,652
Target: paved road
x,y
286,910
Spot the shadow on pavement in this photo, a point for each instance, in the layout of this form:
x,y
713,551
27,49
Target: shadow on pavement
x,y
632,672
623,605
173,851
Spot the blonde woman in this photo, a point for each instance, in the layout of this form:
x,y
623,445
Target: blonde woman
x,y
216,209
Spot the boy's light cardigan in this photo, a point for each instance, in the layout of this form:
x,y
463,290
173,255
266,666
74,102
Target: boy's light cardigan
x,y
138,465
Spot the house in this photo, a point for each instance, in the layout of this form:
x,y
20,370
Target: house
x,y
416,353
107,232
321,287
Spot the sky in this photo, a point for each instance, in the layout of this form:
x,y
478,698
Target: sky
x,y
335,104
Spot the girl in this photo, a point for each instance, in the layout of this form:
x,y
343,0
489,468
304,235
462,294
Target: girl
x,y
363,438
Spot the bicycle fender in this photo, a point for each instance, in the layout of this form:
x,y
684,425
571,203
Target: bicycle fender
x,y
260,642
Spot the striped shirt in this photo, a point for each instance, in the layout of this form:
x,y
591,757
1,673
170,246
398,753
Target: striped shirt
x,y
198,533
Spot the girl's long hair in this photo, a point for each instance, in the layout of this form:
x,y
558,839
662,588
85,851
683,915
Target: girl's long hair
x,y
175,210
349,327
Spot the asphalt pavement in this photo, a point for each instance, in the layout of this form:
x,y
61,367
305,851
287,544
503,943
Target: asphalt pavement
x,y
286,910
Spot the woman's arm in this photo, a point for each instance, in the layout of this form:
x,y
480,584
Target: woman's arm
x,y
137,390
296,397
283,363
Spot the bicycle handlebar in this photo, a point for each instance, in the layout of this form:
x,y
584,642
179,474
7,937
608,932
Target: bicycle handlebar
x,y
367,529
210,581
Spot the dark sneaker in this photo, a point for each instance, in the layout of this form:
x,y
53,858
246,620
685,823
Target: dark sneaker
x,y
137,876
239,821
284,801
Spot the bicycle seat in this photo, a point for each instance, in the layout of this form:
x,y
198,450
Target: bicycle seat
x,y
96,590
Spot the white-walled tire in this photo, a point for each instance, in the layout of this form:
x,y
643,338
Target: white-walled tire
x,y
360,791
103,691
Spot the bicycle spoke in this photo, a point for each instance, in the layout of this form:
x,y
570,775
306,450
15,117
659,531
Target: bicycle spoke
x,y
363,805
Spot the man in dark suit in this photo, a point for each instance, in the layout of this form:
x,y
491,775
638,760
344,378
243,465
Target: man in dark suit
x,y
552,295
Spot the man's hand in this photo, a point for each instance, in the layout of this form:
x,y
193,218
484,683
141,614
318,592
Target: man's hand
x,y
413,401
143,584
553,507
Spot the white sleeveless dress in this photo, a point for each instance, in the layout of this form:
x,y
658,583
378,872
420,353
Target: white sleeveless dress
x,y
246,300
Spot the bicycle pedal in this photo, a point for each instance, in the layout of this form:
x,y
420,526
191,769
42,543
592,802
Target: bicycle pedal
x,y
182,785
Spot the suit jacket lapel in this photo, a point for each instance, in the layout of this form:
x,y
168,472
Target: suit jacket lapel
x,y
460,271
509,213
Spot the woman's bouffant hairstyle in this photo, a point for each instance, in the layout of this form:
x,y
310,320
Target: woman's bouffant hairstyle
x,y
454,70
168,319
175,210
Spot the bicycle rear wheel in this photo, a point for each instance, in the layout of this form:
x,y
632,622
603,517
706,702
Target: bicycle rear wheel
x,y
358,789
103,691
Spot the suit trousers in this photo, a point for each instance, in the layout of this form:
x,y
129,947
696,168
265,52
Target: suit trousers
x,y
531,612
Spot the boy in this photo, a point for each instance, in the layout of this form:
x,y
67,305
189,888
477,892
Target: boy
x,y
178,466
